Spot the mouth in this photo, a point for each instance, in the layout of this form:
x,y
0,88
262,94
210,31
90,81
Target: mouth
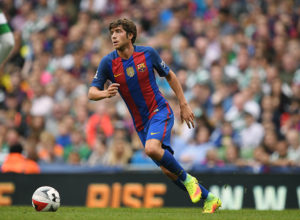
x,y
115,43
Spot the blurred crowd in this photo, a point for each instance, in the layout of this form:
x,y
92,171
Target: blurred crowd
x,y
238,62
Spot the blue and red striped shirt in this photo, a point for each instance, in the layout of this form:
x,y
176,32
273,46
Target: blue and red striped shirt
x,y
136,77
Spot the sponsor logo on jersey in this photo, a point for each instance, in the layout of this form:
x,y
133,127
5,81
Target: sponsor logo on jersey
x,y
116,75
153,133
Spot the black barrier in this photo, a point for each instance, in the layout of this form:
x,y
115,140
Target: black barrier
x,y
137,189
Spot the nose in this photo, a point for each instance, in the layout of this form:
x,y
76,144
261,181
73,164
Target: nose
x,y
113,36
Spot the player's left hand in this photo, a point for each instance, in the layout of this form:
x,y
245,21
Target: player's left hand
x,y
187,115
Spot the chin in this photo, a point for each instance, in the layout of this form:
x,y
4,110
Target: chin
x,y
117,47
121,48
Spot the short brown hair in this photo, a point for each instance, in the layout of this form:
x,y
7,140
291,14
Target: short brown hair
x,y
127,25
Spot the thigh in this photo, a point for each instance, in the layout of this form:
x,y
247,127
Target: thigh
x,y
160,127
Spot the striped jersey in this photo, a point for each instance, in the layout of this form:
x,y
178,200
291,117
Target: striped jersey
x,y
136,77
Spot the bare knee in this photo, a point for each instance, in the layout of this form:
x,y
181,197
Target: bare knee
x,y
153,149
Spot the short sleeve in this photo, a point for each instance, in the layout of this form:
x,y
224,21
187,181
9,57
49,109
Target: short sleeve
x,y
160,66
101,75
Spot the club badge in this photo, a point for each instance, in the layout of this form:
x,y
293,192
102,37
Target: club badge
x,y
130,71
141,67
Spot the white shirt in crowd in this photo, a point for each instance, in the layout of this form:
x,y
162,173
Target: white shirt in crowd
x,y
252,136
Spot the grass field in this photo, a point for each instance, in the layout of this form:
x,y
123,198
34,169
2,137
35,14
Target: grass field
x,y
68,213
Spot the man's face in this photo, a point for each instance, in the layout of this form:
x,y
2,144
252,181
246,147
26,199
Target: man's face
x,y
119,37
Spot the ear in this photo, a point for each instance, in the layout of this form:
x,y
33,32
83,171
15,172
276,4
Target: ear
x,y
130,36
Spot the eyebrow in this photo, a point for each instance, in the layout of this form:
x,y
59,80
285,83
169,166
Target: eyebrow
x,y
114,29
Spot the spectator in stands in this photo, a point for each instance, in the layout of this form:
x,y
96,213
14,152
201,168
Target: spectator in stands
x,y
15,162
232,156
212,159
269,113
280,99
41,104
78,146
12,137
253,133
260,159
48,150
217,116
293,140
291,118
12,112
223,132
74,158
36,126
99,153
53,120
269,142
64,136
235,113
3,147
195,154
119,153
81,113
280,156
99,123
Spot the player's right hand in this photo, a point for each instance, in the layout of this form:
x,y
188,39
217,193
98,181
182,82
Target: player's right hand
x,y
112,90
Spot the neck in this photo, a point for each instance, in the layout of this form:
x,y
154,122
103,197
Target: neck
x,y
126,52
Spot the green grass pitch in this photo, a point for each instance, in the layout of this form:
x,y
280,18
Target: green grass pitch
x,y
69,213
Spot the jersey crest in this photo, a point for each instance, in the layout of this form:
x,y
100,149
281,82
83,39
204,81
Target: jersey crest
x,y
130,71
141,67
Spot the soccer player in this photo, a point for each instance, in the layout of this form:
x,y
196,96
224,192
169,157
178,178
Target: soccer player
x,y
131,68
6,38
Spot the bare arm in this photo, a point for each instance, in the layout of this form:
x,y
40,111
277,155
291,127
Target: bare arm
x,y
96,94
185,111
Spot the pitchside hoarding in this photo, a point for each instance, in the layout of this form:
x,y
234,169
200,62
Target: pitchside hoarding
x,y
136,189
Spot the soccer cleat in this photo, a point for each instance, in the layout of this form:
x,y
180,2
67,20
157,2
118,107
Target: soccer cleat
x,y
193,188
211,205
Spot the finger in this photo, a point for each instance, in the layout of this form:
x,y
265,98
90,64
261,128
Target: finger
x,y
110,92
193,116
192,122
113,89
113,93
188,123
114,85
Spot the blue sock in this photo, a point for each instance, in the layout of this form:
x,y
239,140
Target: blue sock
x,y
170,163
204,191
181,186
